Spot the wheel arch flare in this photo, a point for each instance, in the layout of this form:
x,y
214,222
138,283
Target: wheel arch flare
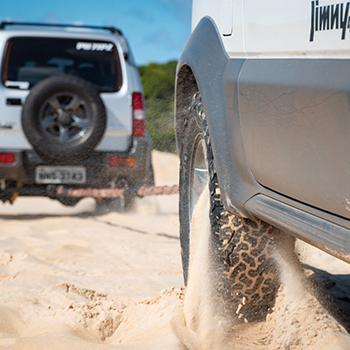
x,y
204,66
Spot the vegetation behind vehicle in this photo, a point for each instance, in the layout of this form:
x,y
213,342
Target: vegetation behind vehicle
x,y
158,83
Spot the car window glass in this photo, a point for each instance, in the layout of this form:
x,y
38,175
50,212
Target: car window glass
x,y
30,60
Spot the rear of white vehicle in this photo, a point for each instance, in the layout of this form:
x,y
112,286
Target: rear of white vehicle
x,y
72,111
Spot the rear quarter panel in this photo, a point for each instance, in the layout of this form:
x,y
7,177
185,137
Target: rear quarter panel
x,y
294,100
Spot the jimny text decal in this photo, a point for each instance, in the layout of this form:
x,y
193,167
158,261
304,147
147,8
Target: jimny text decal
x,y
329,17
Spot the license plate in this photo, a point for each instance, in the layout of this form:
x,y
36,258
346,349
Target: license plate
x,y
60,175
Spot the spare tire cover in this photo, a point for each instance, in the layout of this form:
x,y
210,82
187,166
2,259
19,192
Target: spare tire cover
x,y
64,118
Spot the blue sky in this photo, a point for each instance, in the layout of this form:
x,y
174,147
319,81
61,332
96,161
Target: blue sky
x,y
157,30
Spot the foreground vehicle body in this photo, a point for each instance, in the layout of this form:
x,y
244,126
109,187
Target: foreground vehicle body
x,y
73,112
274,90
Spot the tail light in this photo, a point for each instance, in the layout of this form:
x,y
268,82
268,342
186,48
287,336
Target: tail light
x,y
7,158
138,113
129,162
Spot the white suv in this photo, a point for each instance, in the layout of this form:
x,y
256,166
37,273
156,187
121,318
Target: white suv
x,y
262,120
72,111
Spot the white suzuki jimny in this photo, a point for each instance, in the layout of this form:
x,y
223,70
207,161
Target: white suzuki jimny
x,y
71,112
262,122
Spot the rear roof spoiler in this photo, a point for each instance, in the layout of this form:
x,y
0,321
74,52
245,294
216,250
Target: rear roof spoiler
x,y
113,30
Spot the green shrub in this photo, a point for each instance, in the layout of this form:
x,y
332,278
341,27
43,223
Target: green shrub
x,y
158,82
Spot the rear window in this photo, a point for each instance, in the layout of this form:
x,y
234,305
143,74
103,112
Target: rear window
x,y
30,60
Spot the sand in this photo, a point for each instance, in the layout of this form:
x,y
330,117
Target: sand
x,y
70,279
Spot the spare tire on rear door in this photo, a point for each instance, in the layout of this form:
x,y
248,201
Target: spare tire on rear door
x,y
64,118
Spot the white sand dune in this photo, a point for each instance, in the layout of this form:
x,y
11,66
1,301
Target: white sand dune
x,y
73,280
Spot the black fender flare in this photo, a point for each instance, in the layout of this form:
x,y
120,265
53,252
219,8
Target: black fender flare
x,y
205,66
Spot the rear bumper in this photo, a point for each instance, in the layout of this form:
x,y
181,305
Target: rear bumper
x,y
99,172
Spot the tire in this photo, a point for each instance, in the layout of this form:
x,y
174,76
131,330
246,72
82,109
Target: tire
x,y
119,205
126,203
108,205
149,181
69,201
64,118
245,278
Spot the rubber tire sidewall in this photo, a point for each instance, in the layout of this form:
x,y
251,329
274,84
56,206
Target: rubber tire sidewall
x,y
69,201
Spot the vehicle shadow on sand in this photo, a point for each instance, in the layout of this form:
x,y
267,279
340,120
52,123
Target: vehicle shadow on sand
x,y
332,291
54,209
22,217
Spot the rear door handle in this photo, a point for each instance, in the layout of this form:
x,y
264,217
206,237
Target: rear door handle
x,y
14,102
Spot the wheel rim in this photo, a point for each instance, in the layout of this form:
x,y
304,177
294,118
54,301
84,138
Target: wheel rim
x,y
199,174
65,117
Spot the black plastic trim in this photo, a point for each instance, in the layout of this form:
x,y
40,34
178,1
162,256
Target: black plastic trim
x,y
113,30
217,76
98,170
14,102
329,237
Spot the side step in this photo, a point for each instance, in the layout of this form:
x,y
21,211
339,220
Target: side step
x,y
325,235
